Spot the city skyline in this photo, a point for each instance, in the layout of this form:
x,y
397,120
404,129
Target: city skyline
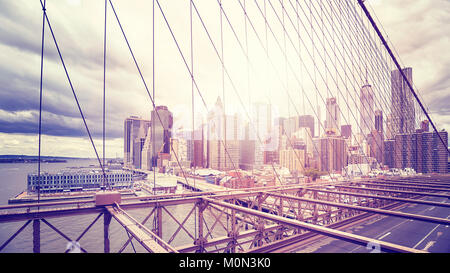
x,y
225,127
289,142
61,122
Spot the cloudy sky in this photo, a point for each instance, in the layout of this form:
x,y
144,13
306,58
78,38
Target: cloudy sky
x,y
419,30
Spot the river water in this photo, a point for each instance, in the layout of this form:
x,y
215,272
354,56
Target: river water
x,y
13,181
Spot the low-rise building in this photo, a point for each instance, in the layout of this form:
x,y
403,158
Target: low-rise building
x,y
79,179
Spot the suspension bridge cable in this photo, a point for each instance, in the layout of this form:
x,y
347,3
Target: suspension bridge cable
x,y
223,83
343,57
277,73
192,101
395,51
356,34
352,58
335,80
376,142
272,32
146,88
104,88
250,65
225,70
360,31
361,3
40,100
73,90
281,81
190,72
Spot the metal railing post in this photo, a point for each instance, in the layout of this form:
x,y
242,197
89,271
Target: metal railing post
x,y
106,221
36,236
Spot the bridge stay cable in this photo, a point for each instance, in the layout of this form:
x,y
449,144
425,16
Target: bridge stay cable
x,y
380,35
73,90
40,100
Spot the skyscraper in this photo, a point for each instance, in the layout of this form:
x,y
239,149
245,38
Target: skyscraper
x,y
388,151
367,122
195,148
304,134
162,122
376,146
179,150
333,153
147,161
346,131
247,149
261,131
290,125
138,145
134,128
425,126
422,151
307,121
222,139
293,159
379,121
402,107
157,140
333,120
389,127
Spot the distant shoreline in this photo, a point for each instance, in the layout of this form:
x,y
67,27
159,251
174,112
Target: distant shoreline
x,y
4,159
44,159
27,160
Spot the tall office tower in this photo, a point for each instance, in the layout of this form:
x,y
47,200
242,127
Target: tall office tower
x,y
425,126
431,153
221,158
389,159
318,121
333,120
262,131
389,127
247,149
367,123
333,153
132,127
307,121
304,134
290,125
402,107
376,146
195,148
147,153
162,122
179,150
403,151
422,151
379,121
138,145
346,131
293,159
222,148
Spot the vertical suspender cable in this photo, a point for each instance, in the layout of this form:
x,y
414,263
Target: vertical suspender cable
x,y
223,88
155,155
361,3
286,70
40,102
73,91
247,57
104,89
192,100
145,85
